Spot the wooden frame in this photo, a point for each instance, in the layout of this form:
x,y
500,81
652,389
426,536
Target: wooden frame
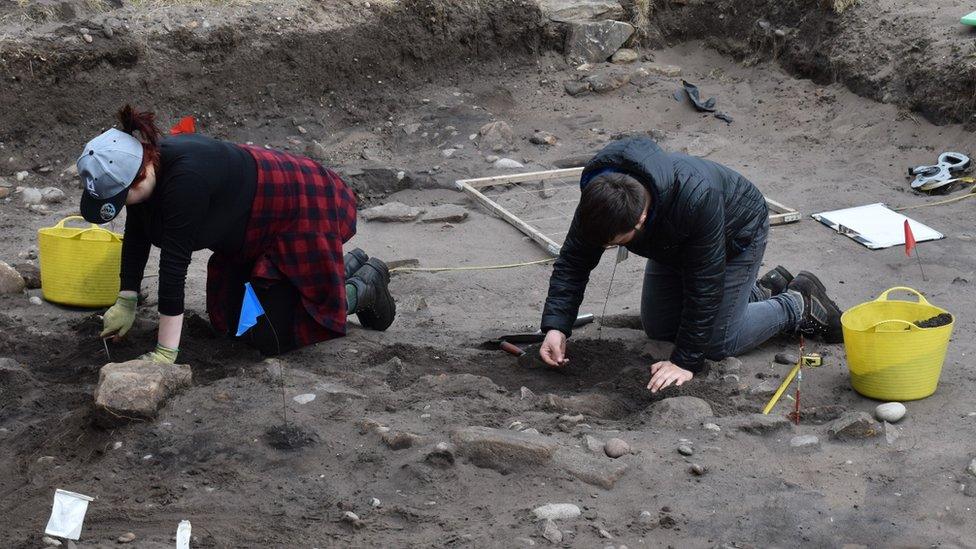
x,y
781,216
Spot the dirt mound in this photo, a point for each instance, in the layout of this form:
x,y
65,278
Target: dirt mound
x,y
249,70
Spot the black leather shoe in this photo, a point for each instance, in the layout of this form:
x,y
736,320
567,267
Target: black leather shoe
x,y
353,261
375,306
821,316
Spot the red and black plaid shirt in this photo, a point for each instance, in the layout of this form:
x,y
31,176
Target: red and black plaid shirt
x,y
302,214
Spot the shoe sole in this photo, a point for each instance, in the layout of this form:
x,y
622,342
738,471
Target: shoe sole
x,y
787,276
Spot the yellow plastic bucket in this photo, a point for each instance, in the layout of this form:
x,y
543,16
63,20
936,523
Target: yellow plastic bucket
x,y
889,357
79,266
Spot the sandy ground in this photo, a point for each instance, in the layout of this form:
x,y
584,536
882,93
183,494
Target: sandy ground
x,y
207,458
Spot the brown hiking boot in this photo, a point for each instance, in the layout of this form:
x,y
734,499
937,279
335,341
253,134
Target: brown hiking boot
x,y
821,316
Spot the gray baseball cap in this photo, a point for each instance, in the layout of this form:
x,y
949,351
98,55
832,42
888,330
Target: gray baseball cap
x,y
107,167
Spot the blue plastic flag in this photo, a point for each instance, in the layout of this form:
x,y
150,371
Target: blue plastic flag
x,y
251,309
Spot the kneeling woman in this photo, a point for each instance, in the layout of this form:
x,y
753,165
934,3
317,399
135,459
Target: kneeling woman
x,y
273,219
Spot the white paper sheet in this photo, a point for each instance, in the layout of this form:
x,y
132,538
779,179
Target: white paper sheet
x,y
875,226
67,515
183,535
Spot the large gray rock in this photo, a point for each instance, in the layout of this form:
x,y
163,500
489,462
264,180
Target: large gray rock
x,y
392,212
10,280
565,11
496,136
136,390
854,426
595,42
446,213
590,469
503,450
679,411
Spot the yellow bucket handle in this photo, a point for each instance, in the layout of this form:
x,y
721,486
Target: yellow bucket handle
x,y
921,298
880,327
93,227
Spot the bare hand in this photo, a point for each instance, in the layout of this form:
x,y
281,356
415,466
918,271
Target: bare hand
x,y
553,350
666,373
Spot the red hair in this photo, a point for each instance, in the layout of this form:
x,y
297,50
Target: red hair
x,y
143,122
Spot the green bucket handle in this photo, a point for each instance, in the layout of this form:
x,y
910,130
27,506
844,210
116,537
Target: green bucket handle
x,y
921,298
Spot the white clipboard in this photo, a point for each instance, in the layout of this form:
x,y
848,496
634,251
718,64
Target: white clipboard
x,y
875,226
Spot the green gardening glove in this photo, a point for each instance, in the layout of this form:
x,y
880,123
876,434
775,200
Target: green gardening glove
x,y
119,318
161,354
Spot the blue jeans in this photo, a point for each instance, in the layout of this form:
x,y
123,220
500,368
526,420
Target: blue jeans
x,y
745,319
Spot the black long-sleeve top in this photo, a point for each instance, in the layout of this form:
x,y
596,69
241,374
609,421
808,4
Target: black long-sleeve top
x,y
202,199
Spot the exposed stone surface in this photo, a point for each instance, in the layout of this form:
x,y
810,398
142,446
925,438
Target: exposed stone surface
x,y
445,213
607,81
10,280
670,71
503,450
336,389
459,384
679,411
593,470
556,511
593,444
52,195
760,424
576,87
805,443
616,447
31,196
564,11
135,390
400,440
854,426
595,42
590,404
891,412
551,532
30,273
624,55
496,136
507,164
392,212
543,138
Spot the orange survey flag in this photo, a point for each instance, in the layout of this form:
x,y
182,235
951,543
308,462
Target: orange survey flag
x,y
187,124
909,239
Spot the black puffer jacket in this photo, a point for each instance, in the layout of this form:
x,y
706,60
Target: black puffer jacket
x,y
701,214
